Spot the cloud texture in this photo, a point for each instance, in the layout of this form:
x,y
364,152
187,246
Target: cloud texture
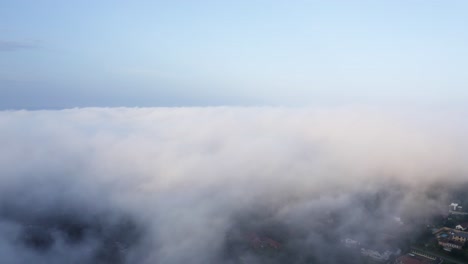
x,y
193,185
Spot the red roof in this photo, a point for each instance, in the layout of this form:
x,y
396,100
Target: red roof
x,y
407,259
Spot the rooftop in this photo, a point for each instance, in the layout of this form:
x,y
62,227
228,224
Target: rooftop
x,y
414,259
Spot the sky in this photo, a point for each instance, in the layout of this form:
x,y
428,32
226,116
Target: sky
x,y
64,54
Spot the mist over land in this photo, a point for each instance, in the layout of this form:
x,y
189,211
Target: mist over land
x,y
202,185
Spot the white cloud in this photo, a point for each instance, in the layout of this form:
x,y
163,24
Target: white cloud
x,y
184,175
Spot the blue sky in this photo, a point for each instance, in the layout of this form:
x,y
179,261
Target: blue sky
x,y
60,54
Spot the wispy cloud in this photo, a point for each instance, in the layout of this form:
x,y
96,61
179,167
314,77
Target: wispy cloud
x,y
9,45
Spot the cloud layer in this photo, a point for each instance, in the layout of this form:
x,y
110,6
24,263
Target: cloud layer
x,y
194,185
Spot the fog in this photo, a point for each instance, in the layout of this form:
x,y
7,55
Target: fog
x,y
204,185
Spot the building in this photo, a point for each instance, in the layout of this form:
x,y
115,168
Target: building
x,y
449,244
417,257
455,208
450,238
462,227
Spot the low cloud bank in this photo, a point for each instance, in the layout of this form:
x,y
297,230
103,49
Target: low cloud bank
x,y
219,185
